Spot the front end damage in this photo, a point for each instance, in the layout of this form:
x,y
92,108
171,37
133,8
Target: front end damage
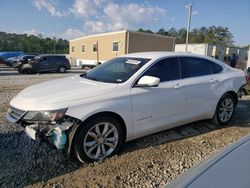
x,y
54,129
54,134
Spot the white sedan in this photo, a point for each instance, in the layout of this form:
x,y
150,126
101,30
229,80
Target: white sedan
x,y
93,114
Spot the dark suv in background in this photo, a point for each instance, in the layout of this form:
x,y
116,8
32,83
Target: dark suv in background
x,y
46,63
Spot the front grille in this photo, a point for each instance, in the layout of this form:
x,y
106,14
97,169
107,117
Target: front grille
x,y
16,113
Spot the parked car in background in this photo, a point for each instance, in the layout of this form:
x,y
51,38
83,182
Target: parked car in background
x,y
229,168
93,114
6,57
12,60
46,63
90,66
23,59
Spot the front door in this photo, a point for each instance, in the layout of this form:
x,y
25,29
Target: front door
x,y
162,107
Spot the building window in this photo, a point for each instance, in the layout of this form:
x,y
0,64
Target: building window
x,y
72,49
83,48
94,47
115,46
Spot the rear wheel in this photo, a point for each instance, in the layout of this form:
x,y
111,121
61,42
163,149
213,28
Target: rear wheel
x,y
20,71
25,71
61,69
99,138
225,110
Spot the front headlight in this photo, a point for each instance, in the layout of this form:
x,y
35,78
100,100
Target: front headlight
x,y
54,115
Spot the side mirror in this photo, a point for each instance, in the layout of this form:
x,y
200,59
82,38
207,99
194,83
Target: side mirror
x,y
148,81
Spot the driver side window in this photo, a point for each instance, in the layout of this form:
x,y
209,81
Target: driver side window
x,y
42,59
166,69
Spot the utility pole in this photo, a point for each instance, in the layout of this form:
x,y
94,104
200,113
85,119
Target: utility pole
x,y
189,7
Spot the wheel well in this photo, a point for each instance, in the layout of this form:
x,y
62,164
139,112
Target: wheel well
x,y
235,96
61,66
75,129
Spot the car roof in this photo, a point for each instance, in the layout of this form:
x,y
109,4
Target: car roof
x,y
51,55
156,55
162,54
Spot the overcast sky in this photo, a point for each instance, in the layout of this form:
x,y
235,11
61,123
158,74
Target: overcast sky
x,y
73,18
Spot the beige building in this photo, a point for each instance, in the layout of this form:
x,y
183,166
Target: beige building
x,y
89,50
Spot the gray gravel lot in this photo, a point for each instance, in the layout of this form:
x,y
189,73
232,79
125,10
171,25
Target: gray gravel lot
x,y
152,161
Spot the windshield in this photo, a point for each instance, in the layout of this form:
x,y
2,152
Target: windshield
x,y
117,70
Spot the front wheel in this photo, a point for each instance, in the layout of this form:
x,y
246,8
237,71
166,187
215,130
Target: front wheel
x,y
97,139
225,110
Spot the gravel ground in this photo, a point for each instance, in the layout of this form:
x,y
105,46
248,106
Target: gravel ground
x,y
152,161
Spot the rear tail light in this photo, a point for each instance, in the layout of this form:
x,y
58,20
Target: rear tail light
x,y
67,60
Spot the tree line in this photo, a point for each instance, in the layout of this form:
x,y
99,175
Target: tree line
x,y
212,35
39,44
32,44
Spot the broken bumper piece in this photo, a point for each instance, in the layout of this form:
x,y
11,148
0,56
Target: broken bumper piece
x,y
54,134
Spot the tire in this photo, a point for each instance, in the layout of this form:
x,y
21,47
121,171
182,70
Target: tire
x,y
224,110
61,69
20,71
90,146
29,71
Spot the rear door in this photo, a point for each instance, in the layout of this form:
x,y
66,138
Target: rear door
x,y
199,84
51,63
159,108
55,62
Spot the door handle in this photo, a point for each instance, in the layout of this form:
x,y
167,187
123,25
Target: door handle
x,y
177,86
213,80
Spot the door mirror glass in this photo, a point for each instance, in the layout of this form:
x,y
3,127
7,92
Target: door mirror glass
x,y
148,81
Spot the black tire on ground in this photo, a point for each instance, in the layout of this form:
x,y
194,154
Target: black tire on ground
x,y
61,69
29,71
20,71
217,119
82,135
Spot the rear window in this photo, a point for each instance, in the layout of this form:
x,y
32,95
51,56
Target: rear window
x,y
193,67
57,58
216,68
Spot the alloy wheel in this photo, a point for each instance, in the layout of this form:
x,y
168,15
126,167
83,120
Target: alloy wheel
x,y
101,140
62,69
226,109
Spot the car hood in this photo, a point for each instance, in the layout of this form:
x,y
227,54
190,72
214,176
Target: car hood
x,y
59,93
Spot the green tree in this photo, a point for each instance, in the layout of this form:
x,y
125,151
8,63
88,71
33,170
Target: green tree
x,y
31,43
162,32
145,31
213,35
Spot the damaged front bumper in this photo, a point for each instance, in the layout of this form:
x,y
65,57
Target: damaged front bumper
x,y
53,133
